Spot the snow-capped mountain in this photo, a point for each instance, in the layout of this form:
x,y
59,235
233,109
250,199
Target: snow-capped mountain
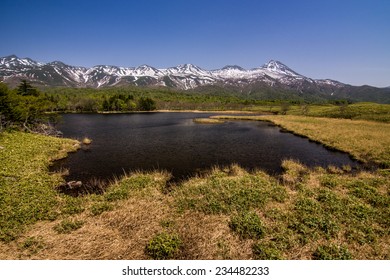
x,y
274,75
186,76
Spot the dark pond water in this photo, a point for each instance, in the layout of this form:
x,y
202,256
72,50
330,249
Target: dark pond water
x,y
173,142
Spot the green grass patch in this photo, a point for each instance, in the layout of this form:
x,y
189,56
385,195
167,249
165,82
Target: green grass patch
x,y
357,111
32,245
332,252
311,222
221,193
247,225
266,251
98,208
68,226
72,205
27,192
164,246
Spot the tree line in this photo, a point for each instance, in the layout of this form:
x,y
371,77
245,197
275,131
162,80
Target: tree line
x,y
28,108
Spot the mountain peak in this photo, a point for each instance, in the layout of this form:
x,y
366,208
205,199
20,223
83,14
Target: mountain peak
x,y
274,65
145,66
14,61
57,63
278,67
12,56
188,66
233,67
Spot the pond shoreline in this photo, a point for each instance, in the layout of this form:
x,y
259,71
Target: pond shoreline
x,y
170,111
176,143
331,136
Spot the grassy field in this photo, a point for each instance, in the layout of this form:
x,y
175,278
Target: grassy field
x,y
27,192
358,111
227,214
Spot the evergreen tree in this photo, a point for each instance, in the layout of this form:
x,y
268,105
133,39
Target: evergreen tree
x,y
25,89
23,107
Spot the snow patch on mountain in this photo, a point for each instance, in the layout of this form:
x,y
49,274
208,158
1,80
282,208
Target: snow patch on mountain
x,y
184,76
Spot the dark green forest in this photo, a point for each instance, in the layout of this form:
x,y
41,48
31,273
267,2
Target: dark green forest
x,y
26,106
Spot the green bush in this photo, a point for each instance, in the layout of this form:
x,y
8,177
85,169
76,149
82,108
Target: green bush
x,y
146,104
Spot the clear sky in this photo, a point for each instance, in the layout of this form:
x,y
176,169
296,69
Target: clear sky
x,y
345,40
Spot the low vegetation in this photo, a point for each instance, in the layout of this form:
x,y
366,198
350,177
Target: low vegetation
x,y
207,121
358,111
227,214
163,246
68,226
27,192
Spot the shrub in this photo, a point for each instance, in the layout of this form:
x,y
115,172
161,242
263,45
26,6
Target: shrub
x,y
146,104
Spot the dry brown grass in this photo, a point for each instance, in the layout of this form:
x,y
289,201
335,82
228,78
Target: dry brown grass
x,y
209,237
207,121
86,141
118,234
317,210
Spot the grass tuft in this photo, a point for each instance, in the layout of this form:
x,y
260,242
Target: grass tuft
x,y
247,225
266,251
68,226
32,244
332,252
163,246
100,207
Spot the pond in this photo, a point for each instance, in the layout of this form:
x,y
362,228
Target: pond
x,y
173,142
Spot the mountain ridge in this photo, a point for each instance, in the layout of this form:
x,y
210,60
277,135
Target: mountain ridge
x,y
273,74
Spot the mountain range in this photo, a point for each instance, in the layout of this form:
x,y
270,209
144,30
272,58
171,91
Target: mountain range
x,y
265,82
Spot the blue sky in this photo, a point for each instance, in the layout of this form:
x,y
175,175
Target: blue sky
x,y
345,40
